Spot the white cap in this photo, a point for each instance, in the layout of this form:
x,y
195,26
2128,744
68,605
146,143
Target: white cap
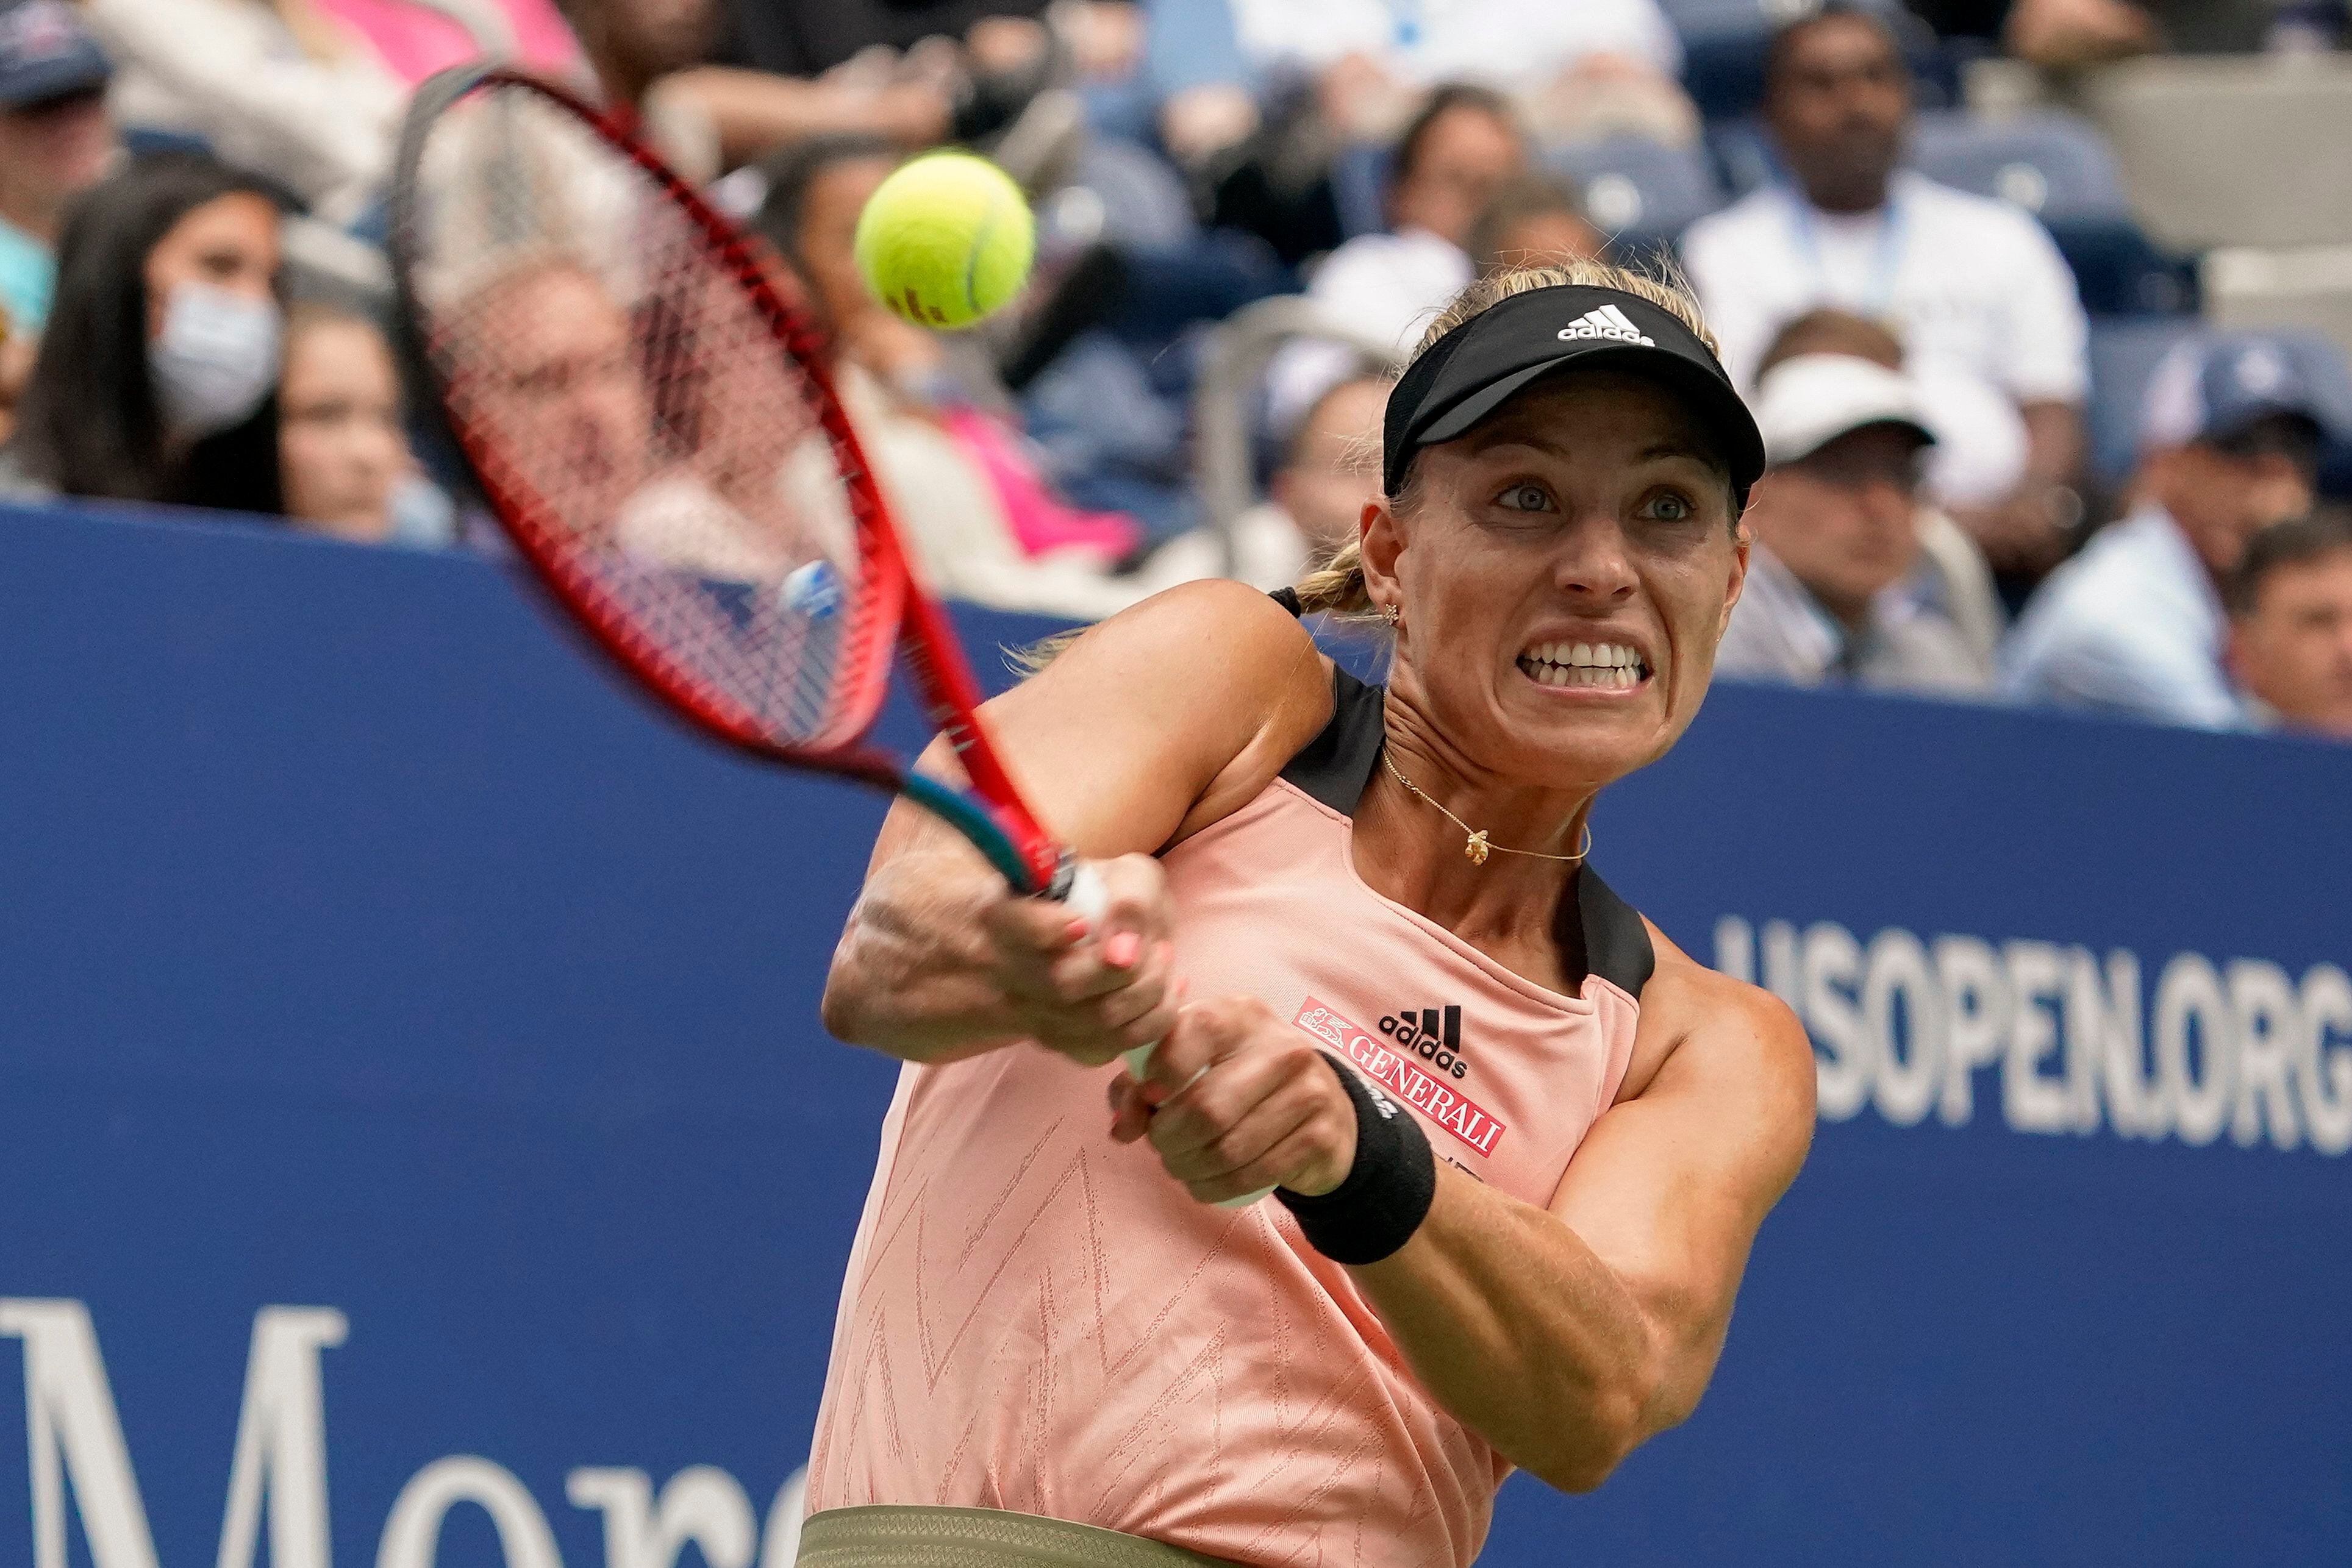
x,y
1805,404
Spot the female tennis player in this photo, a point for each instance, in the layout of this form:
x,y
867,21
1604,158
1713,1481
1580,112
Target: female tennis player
x,y
1522,1142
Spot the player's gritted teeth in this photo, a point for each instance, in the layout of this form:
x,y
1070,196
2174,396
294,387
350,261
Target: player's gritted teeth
x,y
1588,667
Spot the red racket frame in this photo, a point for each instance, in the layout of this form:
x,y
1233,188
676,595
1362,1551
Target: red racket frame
x,y
889,604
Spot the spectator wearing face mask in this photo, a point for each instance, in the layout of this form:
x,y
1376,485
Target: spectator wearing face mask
x,y
155,377
344,457
2135,624
2291,625
1836,526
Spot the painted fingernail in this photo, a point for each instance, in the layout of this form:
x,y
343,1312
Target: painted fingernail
x,y
1121,950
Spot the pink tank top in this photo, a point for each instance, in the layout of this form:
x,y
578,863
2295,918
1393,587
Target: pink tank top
x,y
1038,1320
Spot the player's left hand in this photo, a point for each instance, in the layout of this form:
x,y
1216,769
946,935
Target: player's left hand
x,y
1237,1102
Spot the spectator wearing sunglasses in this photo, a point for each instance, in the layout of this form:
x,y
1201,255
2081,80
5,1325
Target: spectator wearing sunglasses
x,y
2135,625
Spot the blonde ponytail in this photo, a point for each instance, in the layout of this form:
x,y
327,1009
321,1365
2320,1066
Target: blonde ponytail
x,y
1338,585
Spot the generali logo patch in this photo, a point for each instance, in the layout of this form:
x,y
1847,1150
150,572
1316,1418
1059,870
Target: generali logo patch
x,y
1442,1104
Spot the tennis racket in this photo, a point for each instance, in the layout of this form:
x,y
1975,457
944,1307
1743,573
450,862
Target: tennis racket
x,y
654,426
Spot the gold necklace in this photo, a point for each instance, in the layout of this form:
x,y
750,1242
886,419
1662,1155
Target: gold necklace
x,y
1479,847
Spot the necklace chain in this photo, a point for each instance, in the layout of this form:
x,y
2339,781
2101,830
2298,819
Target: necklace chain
x,y
1479,846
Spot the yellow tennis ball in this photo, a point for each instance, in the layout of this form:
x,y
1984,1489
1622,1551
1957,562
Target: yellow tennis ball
x,y
945,240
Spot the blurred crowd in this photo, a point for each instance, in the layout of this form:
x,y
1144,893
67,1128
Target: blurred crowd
x,y
1248,210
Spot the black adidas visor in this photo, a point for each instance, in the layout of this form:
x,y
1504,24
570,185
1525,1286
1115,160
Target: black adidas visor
x,y
1473,369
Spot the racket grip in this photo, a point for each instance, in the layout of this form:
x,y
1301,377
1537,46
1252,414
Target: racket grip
x,y
1089,899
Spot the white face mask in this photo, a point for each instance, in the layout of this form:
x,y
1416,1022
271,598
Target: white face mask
x,y
215,360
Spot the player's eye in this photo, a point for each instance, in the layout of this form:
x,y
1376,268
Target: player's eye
x,y
1668,507
1524,498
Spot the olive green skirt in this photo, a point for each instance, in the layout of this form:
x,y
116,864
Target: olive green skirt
x,y
976,1537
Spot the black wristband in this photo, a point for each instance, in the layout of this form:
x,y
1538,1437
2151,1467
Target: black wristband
x,y
1389,1189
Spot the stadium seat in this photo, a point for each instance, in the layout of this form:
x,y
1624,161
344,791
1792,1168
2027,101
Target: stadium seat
x,y
2058,168
1723,48
1641,193
2231,151
2309,286
2124,355
1743,154
1359,178
1638,192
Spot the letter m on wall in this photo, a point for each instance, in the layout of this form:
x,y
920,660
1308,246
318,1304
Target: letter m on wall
x,y
73,1435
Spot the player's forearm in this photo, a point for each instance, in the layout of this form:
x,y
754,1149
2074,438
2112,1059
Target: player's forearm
x,y
911,977
1523,1334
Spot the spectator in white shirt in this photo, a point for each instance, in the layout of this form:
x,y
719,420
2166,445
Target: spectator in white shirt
x,y
1448,164
2291,625
2135,624
1835,522
1984,303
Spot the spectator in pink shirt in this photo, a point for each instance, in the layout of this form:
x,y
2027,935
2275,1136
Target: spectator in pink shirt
x,y
417,37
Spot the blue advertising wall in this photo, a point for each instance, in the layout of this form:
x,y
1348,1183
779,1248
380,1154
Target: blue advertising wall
x,y
418,1147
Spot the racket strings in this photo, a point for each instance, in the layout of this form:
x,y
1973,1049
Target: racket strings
x,y
650,442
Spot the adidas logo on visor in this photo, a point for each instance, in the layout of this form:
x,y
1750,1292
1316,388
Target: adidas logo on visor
x,y
1607,322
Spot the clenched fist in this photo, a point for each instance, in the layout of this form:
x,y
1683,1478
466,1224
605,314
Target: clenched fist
x,y
1235,1101
1089,991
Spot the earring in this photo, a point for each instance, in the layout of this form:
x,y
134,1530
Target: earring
x,y
1390,613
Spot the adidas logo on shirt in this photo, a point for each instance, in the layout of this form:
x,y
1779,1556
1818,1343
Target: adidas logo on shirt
x,y
1433,1035
1607,322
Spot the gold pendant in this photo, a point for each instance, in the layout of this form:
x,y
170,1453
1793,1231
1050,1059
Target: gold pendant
x,y
1475,851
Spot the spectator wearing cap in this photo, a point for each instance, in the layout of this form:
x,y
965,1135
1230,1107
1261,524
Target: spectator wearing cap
x,y
1952,577
1835,523
2135,624
2291,625
1458,152
1983,300
55,142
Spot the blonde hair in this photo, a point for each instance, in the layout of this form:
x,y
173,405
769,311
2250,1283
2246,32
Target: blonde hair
x,y
1336,586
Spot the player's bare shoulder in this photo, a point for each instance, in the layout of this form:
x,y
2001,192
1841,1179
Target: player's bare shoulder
x,y
1710,1024
1216,663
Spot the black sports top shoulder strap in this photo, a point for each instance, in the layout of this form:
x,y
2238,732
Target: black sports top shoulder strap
x,y
1616,942
1602,935
1335,767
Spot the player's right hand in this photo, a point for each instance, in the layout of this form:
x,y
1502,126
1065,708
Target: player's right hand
x,y
1089,990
